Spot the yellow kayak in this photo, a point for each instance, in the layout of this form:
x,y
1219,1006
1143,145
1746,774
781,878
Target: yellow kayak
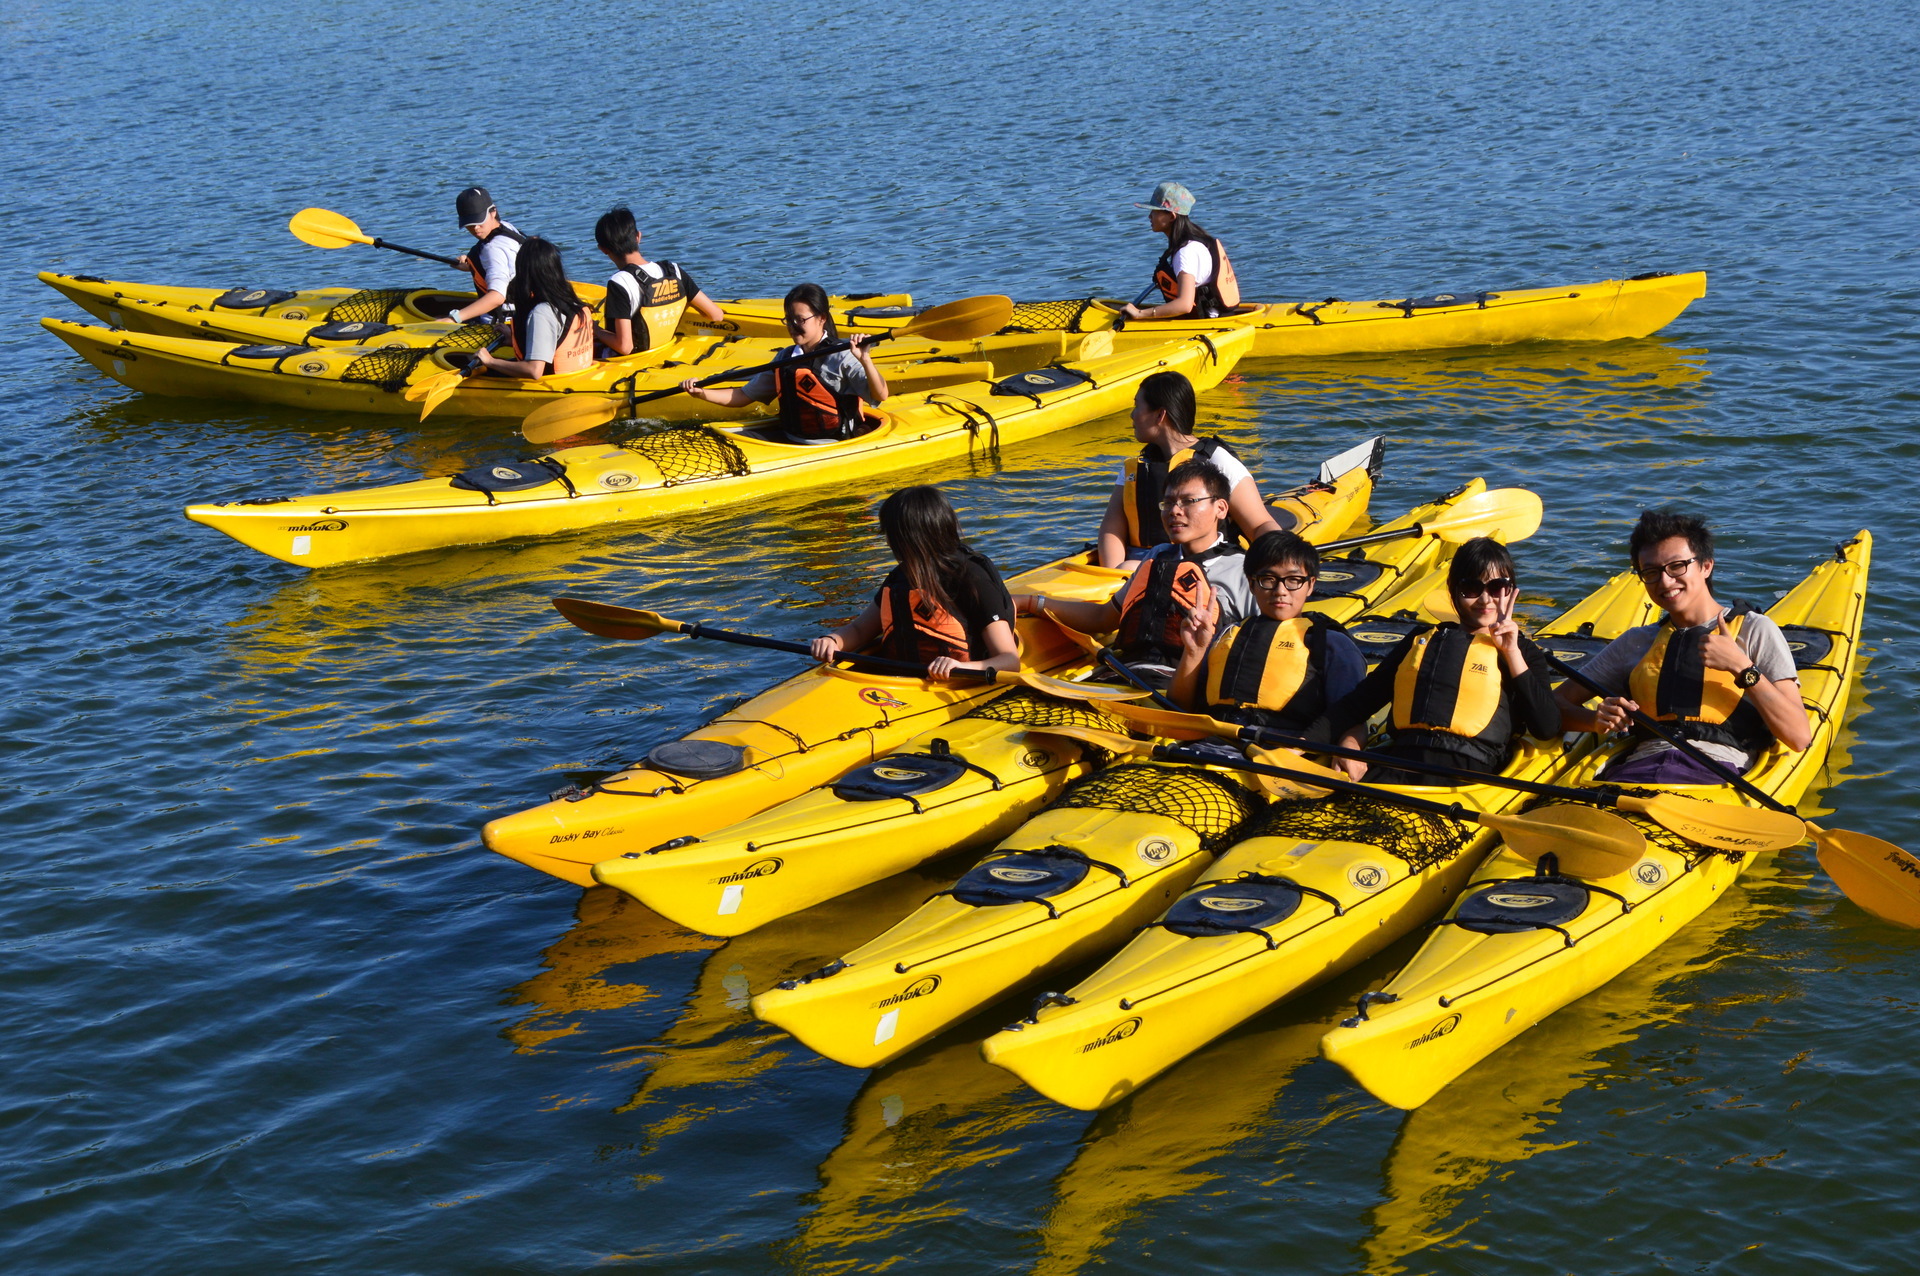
x,y
963,782
375,378
1609,310
1467,992
703,467
1312,889
334,316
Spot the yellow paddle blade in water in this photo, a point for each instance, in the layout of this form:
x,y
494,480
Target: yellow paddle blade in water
x,y
567,415
324,228
1880,877
611,621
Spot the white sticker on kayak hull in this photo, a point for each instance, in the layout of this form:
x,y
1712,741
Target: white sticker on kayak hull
x,y
883,1031
730,899
302,545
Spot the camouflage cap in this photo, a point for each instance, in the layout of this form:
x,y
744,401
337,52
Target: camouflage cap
x,y
1172,197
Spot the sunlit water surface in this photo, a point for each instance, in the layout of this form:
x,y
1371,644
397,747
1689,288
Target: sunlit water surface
x,y
270,1006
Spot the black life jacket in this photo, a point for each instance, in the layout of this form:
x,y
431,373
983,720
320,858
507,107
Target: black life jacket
x,y
914,627
1450,687
1210,299
809,410
473,255
1157,598
1270,673
1145,482
656,314
1676,689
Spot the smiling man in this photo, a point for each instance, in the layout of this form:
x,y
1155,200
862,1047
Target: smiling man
x,y
1197,572
1720,676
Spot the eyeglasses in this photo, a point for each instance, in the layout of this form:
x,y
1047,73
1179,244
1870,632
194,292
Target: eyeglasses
x,y
799,321
1494,588
1268,582
1173,503
1674,570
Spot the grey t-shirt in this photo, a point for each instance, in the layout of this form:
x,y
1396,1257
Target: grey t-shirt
x,y
1759,637
841,372
544,331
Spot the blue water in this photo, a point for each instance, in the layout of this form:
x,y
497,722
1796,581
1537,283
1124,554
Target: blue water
x,y
271,1006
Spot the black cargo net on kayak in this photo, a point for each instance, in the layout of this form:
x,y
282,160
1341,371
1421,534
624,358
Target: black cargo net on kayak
x,y
369,305
1031,709
1048,316
1417,839
388,368
690,452
1213,807
468,336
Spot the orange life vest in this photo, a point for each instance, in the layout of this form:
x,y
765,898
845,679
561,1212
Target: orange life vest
x,y
473,255
915,627
1155,603
1220,295
1674,686
810,410
572,352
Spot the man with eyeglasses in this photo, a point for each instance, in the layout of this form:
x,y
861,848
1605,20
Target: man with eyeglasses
x,y
1280,668
1198,572
1721,676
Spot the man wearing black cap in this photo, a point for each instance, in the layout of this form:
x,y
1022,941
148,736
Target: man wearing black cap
x,y
492,262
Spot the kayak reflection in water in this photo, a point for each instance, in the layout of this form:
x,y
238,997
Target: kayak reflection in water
x,y
645,299
1721,676
1193,274
1281,668
944,605
1460,691
1197,572
1163,422
551,328
819,398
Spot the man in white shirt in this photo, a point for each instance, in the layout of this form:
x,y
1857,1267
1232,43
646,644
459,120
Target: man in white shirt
x,y
492,261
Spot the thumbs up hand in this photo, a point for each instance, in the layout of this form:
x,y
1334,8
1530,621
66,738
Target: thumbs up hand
x,y
1723,651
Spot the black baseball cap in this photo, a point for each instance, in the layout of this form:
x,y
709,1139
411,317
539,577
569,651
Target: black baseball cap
x,y
472,205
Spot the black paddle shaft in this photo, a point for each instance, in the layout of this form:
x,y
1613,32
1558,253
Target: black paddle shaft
x,y
1269,736
415,252
1451,811
1373,538
875,664
1679,742
741,374
1120,321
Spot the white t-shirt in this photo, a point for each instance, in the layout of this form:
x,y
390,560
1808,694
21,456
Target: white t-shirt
x,y
1228,465
1193,259
498,258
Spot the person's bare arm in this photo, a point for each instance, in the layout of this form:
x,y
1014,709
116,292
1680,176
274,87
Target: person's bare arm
x,y
1110,548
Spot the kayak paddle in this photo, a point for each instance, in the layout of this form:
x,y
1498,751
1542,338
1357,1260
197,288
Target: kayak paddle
x,y
627,623
1875,874
1506,513
963,320
1126,746
1586,841
324,228
1733,828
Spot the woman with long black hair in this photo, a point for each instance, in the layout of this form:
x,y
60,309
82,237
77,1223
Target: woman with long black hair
x,y
1193,275
944,605
552,329
820,397
1460,690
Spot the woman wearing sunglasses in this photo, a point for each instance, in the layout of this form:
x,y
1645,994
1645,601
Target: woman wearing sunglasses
x,y
819,398
1280,668
1462,690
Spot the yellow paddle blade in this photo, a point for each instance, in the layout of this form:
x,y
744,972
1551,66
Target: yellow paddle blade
x,y
1877,875
1100,691
1111,741
324,228
1507,514
1086,642
429,385
1174,725
1281,787
438,395
1589,842
961,320
1439,604
1097,345
1731,828
568,414
610,621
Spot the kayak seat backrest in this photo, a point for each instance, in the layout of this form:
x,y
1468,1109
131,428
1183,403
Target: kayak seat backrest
x,y
516,476
697,759
1048,316
1225,908
1343,577
1512,907
251,298
371,305
1021,877
1041,381
1376,636
899,775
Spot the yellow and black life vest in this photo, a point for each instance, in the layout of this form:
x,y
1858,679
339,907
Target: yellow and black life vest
x,y
1673,685
1145,482
1450,682
572,352
1270,673
914,627
660,304
473,255
810,410
1218,296
1155,603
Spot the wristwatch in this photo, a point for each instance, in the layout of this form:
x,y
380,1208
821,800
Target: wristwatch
x,y
1747,678
453,316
